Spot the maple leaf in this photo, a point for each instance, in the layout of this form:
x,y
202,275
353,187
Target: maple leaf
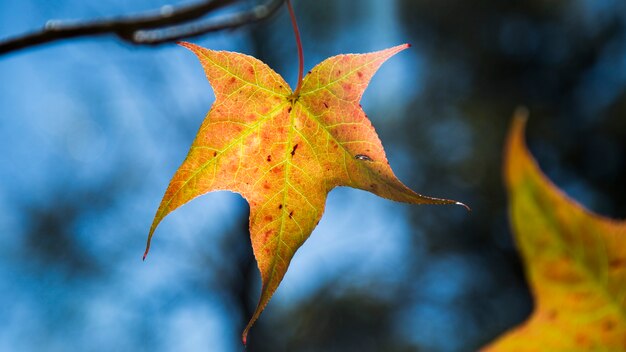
x,y
283,153
575,263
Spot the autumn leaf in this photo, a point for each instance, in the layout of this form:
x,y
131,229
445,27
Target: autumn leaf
x,y
284,152
575,263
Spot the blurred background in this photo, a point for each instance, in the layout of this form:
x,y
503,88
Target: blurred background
x,y
91,130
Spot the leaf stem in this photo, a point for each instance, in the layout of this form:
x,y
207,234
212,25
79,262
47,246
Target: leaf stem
x,y
296,31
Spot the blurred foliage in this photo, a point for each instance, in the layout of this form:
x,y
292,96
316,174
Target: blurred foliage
x,y
574,260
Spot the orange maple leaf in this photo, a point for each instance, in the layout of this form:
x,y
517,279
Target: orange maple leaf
x,y
284,152
575,263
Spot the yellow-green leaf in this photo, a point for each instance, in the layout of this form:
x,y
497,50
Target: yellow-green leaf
x,y
575,263
284,153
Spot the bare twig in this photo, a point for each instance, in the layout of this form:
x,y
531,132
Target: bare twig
x,y
156,27
160,36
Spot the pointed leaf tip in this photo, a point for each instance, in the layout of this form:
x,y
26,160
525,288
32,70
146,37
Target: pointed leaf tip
x,y
520,118
145,254
244,334
191,46
187,45
402,46
244,338
463,205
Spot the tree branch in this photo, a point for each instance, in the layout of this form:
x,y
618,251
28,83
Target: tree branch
x,y
151,28
253,15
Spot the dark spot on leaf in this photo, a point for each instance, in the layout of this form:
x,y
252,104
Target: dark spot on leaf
x,y
363,157
374,186
289,109
582,340
269,158
251,70
266,186
309,73
214,154
338,72
293,151
268,218
616,263
325,105
291,214
608,325
359,73
267,234
280,206
231,80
